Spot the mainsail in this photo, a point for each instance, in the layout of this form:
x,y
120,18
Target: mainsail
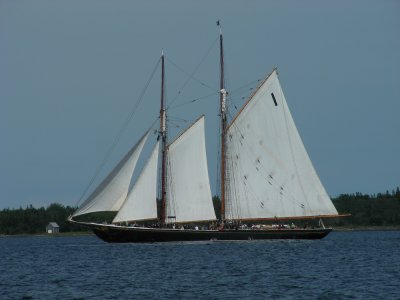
x,y
189,194
269,173
141,203
111,193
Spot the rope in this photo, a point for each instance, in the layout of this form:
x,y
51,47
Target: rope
x,y
193,100
191,76
243,90
119,135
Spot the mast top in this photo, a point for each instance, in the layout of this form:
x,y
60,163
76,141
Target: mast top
x,y
220,27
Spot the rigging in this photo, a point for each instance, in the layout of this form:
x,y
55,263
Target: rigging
x,y
120,132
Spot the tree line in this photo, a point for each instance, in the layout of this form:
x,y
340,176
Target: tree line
x,y
382,209
31,220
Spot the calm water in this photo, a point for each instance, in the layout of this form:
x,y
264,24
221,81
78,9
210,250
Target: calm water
x,y
351,265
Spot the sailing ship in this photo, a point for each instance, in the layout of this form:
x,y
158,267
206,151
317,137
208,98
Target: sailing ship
x,y
265,175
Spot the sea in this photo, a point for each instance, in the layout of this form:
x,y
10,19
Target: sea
x,y
344,265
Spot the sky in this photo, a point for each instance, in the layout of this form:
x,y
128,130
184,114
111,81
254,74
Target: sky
x,y
72,73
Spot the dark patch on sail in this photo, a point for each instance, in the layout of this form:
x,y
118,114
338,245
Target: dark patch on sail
x,y
273,98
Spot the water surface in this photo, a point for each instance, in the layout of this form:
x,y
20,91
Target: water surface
x,y
344,265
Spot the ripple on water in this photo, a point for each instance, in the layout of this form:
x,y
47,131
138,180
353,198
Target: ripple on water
x,y
351,265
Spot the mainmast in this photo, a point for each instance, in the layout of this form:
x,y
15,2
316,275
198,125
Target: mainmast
x,y
222,98
163,134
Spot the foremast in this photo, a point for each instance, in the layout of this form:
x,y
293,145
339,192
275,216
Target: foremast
x,y
222,98
163,135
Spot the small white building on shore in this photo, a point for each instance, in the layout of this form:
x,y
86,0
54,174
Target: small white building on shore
x,y
52,227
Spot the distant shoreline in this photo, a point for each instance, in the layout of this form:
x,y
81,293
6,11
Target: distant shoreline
x,y
367,228
60,234
89,233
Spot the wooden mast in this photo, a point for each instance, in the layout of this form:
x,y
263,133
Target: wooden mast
x,y
163,133
222,98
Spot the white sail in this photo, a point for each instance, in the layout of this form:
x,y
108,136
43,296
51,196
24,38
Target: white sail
x,y
188,188
269,173
141,202
111,193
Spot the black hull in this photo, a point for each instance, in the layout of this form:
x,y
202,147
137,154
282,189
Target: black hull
x,y
122,234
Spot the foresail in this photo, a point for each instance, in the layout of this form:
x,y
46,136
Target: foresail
x,y
269,173
141,202
189,194
111,193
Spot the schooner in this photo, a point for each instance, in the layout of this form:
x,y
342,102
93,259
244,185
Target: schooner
x,y
265,175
